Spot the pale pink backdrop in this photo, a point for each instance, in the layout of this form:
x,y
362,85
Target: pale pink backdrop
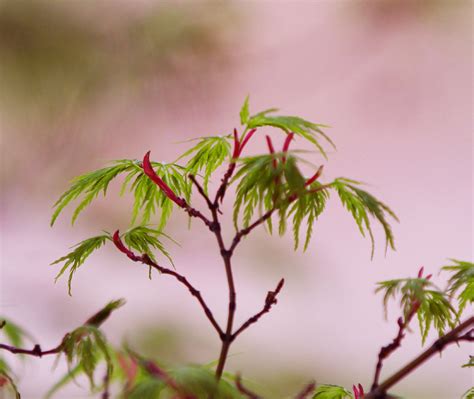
x,y
395,83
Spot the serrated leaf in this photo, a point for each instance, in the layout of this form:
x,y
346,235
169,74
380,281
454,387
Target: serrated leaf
x,y
76,258
310,131
361,205
331,392
244,112
434,309
207,155
148,198
461,282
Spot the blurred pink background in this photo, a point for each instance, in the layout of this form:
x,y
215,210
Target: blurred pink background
x,y
92,82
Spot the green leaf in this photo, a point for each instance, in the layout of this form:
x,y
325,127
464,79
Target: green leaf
x,y
148,198
14,333
74,259
331,392
461,282
102,315
308,207
310,131
207,155
85,348
201,382
144,240
361,205
470,363
469,394
244,112
434,308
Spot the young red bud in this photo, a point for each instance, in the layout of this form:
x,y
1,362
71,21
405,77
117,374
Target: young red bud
x,y
122,248
149,171
247,137
315,177
236,152
287,142
361,390
356,392
420,272
429,276
271,149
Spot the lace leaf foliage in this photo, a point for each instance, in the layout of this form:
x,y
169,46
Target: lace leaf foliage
x,y
207,155
148,198
332,392
142,239
363,205
461,283
433,308
309,131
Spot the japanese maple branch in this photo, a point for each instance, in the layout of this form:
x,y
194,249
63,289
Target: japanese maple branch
x,y
270,300
403,323
181,202
148,261
201,191
245,231
454,336
239,145
243,390
36,351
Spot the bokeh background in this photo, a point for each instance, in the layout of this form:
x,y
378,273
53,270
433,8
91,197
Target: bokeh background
x,y
85,82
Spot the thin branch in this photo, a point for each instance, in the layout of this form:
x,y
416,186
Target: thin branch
x,y
201,191
224,184
307,390
270,300
243,390
387,350
242,233
226,338
36,351
148,261
454,336
181,202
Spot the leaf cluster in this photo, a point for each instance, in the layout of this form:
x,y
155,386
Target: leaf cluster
x,y
332,392
433,308
207,155
361,205
196,381
148,198
85,348
310,131
143,239
461,282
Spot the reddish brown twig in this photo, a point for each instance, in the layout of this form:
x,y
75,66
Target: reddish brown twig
x,y
270,300
148,261
181,202
36,351
238,148
201,191
243,390
454,336
403,324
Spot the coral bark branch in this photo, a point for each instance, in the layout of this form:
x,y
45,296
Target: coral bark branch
x,y
454,336
148,261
